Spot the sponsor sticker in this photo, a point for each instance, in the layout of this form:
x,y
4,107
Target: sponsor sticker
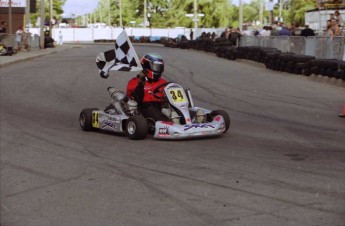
x,y
163,132
196,126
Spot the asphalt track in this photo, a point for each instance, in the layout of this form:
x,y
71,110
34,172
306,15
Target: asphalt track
x,y
281,163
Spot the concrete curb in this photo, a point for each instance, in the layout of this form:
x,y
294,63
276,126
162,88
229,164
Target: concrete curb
x,y
25,56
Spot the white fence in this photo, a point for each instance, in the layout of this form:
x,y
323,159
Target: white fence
x,y
92,34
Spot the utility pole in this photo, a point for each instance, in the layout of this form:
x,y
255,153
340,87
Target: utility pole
x,y
10,31
100,12
27,14
145,12
120,7
195,16
109,13
50,17
42,17
240,19
261,12
271,14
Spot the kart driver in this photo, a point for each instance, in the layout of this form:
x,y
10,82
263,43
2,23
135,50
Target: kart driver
x,y
147,81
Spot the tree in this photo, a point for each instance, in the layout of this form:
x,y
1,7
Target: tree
x,y
298,9
172,13
57,10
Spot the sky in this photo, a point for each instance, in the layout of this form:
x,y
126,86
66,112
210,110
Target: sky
x,y
236,2
79,7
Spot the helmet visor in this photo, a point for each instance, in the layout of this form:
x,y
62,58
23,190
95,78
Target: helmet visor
x,y
157,66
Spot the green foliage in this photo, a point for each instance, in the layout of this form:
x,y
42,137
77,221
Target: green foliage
x,y
172,13
57,10
297,10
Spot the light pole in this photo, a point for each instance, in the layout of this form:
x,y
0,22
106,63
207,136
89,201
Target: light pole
x,y
281,4
10,17
27,14
120,8
240,15
50,17
109,13
145,12
271,14
100,12
261,12
195,16
42,15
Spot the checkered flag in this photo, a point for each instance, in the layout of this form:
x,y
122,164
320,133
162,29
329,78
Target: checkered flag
x,y
122,58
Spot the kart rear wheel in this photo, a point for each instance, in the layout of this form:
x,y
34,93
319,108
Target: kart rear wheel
x,y
85,119
137,127
225,116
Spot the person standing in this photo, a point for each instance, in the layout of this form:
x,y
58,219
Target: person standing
x,y
335,27
307,31
191,35
60,38
3,27
19,36
284,31
339,18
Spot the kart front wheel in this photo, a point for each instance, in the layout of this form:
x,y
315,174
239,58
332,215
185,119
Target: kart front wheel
x,y
225,116
137,127
85,119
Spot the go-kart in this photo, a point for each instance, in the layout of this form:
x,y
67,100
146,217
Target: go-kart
x,y
185,119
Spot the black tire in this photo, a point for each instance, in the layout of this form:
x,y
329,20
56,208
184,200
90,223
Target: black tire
x,y
85,119
225,116
137,127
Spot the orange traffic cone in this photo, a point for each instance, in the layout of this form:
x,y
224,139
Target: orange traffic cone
x,y
343,114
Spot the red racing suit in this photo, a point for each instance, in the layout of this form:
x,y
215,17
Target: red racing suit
x,y
148,104
140,92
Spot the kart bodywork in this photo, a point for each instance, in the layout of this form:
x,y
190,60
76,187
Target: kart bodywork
x,y
186,120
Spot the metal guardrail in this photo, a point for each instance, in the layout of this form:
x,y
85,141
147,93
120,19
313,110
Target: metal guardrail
x,y
32,41
8,40
318,46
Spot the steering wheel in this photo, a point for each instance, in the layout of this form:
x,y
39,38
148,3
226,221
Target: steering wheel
x,y
160,86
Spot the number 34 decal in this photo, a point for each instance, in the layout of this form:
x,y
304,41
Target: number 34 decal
x,y
95,121
177,95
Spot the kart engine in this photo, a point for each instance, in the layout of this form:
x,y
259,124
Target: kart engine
x,y
123,105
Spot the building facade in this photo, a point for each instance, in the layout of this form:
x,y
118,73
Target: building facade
x,y
18,12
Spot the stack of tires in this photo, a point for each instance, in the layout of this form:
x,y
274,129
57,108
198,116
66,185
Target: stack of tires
x,y
340,74
172,43
221,46
332,68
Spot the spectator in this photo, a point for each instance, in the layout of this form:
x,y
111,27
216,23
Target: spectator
x,y
25,39
284,31
227,32
335,27
191,35
48,41
3,27
295,30
234,36
307,31
223,34
61,38
274,30
202,36
19,36
329,32
266,31
338,18
213,36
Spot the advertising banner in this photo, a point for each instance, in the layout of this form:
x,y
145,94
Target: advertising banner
x,y
15,3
